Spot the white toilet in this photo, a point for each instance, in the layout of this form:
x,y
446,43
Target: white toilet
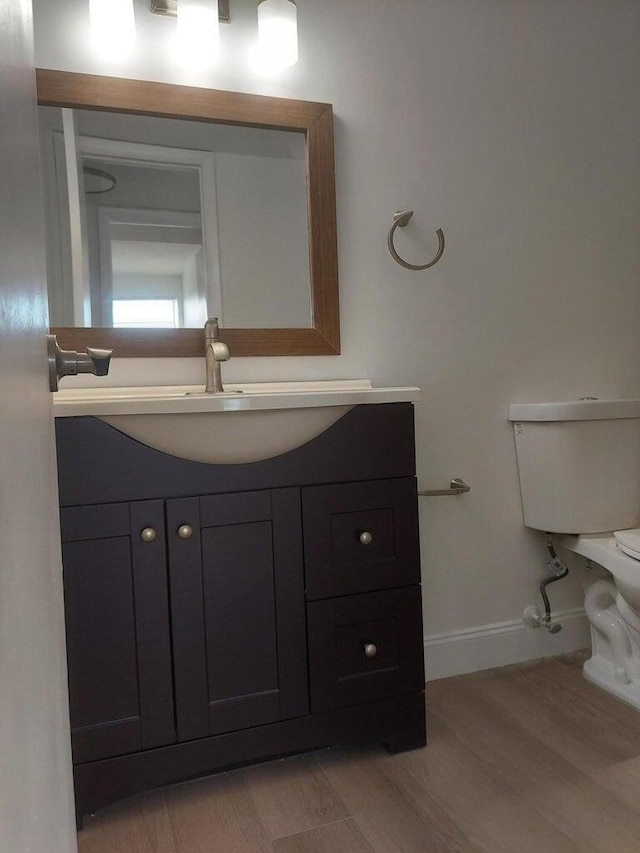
x,y
579,466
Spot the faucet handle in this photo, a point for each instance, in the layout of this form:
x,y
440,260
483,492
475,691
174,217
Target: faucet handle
x,y
101,358
220,351
211,329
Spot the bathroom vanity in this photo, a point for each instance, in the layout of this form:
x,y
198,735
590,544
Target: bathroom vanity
x,y
224,613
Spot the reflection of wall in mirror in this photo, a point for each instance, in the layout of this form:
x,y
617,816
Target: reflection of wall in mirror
x,y
262,215
264,257
141,260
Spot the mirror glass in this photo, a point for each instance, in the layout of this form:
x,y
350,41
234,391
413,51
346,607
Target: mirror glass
x,y
156,222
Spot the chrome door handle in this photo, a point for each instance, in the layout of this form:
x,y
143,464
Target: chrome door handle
x,y
69,363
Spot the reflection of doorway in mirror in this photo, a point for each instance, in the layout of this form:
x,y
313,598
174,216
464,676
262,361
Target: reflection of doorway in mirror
x,y
145,252
148,256
153,223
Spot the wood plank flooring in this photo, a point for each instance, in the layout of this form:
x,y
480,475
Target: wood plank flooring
x,y
523,759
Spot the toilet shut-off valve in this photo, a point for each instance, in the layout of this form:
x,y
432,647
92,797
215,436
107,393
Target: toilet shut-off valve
x,y
532,617
558,571
69,363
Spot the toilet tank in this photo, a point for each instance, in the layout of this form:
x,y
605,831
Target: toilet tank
x,y
579,464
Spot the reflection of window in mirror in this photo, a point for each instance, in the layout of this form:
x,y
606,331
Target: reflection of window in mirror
x,y
147,255
146,314
190,218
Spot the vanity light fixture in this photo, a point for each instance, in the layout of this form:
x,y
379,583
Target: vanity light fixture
x,y
277,34
170,7
197,33
277,45
113,27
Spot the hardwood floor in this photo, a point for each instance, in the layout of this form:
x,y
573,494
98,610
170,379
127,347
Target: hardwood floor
x,y
523,759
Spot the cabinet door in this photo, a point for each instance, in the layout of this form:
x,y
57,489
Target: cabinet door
x,y
237,602
360,537
117,622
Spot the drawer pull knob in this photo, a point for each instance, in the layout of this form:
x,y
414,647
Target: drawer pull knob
x,y
185,531
148,534
370,650
366,538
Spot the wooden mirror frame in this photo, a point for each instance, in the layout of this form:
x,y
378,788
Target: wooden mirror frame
x,y
115,94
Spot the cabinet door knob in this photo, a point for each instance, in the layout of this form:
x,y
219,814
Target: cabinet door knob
x,y
366,538
148,534
185,531
370,650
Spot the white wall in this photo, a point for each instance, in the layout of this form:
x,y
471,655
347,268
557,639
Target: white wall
x,y
514,126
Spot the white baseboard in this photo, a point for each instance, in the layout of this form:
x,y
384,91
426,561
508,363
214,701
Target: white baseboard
x,y
502,643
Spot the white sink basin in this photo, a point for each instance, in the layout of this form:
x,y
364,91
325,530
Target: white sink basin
x,y
250,421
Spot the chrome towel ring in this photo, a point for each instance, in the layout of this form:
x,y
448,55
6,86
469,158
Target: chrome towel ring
x,y
400,219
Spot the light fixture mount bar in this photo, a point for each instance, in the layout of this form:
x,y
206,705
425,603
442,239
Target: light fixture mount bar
x,y
170,7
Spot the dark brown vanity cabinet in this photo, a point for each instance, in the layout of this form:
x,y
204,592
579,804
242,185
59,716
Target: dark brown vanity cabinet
x,y
222,614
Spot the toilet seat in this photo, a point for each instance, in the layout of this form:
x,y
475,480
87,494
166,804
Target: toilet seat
x,y
628,541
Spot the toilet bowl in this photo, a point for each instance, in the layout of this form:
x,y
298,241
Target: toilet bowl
x,y
579,470
612,605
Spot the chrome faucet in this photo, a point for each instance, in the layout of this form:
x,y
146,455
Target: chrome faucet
x,y
215,353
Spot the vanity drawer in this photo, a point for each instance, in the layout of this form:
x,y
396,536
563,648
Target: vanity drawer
x,y
360,537
365,647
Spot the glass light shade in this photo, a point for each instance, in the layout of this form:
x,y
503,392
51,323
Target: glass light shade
x,y
198,33
277,34
113,27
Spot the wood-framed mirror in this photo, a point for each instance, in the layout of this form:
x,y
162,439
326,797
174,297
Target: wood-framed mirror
x,y
314,121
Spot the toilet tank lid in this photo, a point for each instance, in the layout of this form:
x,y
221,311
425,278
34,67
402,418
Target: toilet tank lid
x,y
575,410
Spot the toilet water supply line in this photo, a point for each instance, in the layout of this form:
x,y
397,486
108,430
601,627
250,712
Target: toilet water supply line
x,y
558,571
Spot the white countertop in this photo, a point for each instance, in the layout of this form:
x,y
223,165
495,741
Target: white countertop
x,y
239,397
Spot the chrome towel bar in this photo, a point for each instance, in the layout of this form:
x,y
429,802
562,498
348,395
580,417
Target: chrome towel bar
x,y
456,487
